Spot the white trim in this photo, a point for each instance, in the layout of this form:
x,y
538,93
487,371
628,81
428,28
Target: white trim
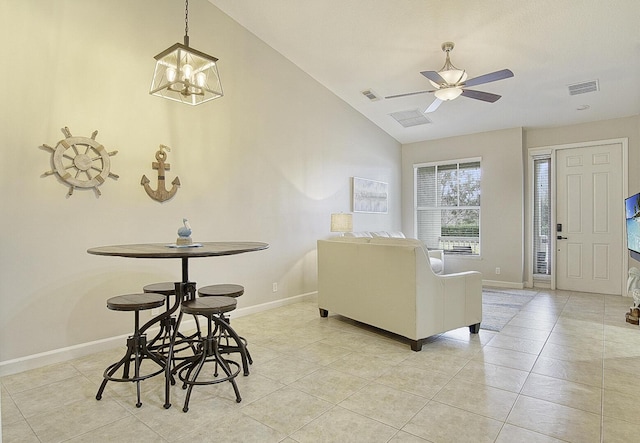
x,y
502,284
39,360
537,154
448,162
416,208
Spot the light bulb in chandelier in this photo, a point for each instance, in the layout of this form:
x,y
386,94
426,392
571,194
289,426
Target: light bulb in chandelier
x,y
201,79
171,74
187,72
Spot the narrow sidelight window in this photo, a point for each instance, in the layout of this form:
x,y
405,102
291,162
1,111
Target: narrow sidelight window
x,y
542,216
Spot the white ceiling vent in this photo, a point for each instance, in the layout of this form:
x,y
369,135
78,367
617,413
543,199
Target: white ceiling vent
x,y
584,87
410,118
370,95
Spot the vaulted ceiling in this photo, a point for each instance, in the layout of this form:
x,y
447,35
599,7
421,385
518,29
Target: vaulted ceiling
x,y
350,46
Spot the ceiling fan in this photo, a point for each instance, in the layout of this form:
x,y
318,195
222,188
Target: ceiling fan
x,y
451,82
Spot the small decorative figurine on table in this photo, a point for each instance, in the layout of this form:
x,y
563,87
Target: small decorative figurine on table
x,y
184,234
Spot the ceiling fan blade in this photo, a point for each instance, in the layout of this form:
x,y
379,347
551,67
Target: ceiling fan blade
x,y
434,77
433,106
479,95
407,94
487,78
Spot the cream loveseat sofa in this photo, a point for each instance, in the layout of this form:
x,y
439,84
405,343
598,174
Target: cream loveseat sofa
x,y
389,283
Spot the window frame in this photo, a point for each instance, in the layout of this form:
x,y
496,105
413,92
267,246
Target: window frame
x,y
416,208
544,156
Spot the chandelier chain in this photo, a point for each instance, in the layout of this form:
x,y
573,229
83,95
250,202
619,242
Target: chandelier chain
x,y
186,17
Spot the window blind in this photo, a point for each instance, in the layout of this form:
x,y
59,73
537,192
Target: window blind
x,y
447,212
542,216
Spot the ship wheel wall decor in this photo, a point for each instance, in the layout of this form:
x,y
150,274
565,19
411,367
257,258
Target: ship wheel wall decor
x,y
80,162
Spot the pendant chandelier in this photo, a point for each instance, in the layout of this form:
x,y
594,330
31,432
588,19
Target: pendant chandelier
x,y
184,74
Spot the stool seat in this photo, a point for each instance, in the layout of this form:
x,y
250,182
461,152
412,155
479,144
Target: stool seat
x,y
209,306
228,290
164,288
135,302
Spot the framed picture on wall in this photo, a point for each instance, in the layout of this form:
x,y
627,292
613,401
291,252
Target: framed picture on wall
x,y
370,196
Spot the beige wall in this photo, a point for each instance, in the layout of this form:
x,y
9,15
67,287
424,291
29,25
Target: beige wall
x,y
501,225
270,161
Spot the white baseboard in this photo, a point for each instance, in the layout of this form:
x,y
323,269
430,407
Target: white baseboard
x,y
503,284
35,361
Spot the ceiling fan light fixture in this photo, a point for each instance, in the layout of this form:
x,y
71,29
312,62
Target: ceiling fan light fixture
x,y
446,94
451,76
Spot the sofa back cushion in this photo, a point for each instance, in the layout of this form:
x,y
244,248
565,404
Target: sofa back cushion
x,y
395,241
350,239
358,234
436,264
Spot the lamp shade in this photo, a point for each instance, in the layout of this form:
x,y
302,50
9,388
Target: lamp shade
x,y
186,75
450,93
451,76
341,222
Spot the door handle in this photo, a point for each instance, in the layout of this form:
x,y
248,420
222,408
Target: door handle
x,y
561,237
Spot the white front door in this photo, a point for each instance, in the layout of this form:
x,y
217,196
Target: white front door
x,y
589,206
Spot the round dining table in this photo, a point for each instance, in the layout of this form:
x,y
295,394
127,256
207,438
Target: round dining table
x,y
184,289
164,250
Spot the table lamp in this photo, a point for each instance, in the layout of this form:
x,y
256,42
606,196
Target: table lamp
x,y
341,223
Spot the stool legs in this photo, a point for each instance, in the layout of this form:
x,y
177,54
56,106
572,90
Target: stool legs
x,y
189,370
137,350
168,324
240,347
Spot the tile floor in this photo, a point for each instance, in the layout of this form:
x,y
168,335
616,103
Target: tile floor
x,y
564,369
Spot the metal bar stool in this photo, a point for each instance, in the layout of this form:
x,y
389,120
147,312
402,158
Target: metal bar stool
x,y
168,323
229,290
189,370
137,349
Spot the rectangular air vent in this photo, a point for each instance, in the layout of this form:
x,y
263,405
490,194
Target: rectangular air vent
x,y
370,95
410,118
584,87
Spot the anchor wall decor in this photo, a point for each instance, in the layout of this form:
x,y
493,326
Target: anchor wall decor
x,y
161,193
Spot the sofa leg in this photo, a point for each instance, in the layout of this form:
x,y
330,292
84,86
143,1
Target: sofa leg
x,y
323,312
474,329
416,345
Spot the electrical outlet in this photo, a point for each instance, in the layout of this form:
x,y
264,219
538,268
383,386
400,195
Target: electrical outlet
x,y
497,270
275,287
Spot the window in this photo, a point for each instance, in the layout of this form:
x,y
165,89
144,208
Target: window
x,y
447,205
542,215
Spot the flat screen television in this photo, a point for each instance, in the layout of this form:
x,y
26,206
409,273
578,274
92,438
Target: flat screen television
x,y
632,213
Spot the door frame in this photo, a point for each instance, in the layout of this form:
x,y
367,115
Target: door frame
x,y
551,152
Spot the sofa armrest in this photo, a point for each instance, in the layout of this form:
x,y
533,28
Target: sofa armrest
x,y
436,259
466,289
